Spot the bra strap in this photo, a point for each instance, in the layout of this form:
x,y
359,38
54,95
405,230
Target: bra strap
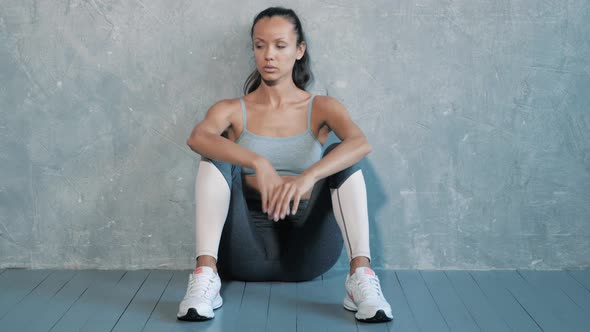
x,y
243,113
309,112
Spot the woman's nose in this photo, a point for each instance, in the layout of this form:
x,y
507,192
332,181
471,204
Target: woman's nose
x,y
268,55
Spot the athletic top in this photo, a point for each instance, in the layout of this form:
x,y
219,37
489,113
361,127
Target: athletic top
x,y
289,155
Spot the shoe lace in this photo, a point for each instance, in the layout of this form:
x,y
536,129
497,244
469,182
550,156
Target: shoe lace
x,y
200,285
370,287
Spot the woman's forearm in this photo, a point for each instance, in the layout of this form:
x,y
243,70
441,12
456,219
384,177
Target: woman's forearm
x,y
346,154
217,147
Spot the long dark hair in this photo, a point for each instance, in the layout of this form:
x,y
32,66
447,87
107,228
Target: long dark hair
x,y
302,74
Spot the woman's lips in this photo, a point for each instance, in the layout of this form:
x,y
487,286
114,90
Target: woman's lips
x,y
269,69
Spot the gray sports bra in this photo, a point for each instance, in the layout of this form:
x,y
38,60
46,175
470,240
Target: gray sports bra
x,y
289,155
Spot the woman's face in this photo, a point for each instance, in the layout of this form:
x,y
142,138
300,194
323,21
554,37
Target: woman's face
x,y
275,48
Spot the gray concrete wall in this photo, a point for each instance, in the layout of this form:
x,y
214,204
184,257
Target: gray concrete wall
x,y
478,112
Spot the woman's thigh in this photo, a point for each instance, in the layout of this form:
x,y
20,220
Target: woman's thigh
x,y
299,247
315,242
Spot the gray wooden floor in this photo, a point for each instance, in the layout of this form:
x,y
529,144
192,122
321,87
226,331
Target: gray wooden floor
x,y
66,300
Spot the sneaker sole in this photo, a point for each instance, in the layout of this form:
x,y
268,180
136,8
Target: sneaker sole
x,y
379,317
193,316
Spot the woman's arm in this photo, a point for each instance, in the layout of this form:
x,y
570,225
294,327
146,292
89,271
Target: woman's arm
x,y
207,141
354,145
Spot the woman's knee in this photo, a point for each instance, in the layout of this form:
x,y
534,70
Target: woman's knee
x,y
337,179
229,171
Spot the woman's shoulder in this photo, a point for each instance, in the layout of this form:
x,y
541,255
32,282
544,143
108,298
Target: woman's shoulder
x,y
227,102
228,109
328,104
228,105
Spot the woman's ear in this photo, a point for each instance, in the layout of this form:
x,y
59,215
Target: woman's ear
x,y
301,50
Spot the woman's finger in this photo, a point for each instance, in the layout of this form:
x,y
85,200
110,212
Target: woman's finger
x,y
278,214
272,209
285,201
279,204
263,196
296,200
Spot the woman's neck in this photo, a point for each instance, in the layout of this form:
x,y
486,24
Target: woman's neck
x,y
278,94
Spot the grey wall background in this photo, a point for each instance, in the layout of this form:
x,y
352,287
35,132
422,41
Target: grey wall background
x,y
478,112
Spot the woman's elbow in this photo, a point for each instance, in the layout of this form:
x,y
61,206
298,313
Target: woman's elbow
x,y
192,142
365,145
368,148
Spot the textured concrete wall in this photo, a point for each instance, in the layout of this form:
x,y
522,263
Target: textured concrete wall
x,y
478,112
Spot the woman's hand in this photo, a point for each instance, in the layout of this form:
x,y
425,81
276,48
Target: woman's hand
x,y
289,190
267,179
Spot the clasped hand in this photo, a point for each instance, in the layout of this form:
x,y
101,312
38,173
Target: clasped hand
x,y
276,192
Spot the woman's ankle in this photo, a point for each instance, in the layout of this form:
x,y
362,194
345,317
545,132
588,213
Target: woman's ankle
x,y
359,261
206,260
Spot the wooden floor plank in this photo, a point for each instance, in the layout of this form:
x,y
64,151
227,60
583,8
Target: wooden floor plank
x,y
449,303
36,301
254,307
138,311
549,316
504,302
426,313
316,310
16,284
163,318
403,318
87,304
572,288
557,301
582,276
59,304
282,310
112,303
486,317
308,305
533,303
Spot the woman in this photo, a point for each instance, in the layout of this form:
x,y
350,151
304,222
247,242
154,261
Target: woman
x,y
266,195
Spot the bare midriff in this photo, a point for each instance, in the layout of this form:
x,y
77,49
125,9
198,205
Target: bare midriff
x,y
251,190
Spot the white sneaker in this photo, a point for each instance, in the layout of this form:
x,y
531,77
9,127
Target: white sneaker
x,y
202,295
364,296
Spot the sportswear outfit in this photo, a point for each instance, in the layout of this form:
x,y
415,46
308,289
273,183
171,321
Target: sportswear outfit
x,y
248,246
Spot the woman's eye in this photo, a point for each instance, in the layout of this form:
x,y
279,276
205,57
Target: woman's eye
x,y
281,46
